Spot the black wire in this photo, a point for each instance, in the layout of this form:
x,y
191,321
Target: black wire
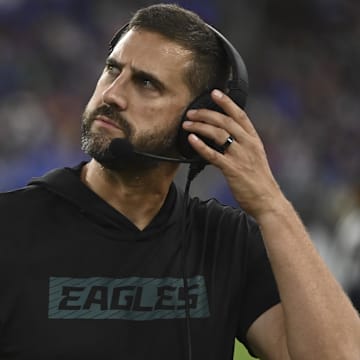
x,y
194,169
185,233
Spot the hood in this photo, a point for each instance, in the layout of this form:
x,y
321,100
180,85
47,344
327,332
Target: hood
x,y
66,184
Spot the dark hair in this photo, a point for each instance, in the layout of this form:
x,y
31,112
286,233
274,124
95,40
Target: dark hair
x,y
210,67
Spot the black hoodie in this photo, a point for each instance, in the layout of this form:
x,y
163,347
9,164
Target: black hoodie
x,y
80,281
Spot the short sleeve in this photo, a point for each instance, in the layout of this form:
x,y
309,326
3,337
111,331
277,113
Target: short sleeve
x,y
260,291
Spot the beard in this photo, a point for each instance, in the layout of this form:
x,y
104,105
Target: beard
x,y
96,144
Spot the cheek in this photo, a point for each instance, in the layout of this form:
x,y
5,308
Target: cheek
x,y
164,113
146,114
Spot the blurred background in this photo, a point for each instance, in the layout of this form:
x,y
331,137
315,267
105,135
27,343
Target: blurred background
x,y
303,59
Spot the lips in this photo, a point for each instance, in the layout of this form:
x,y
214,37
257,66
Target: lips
x,y
105,121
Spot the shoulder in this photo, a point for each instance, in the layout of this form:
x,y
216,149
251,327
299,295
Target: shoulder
x,y
21,199
41,189
217,220
19,194
216,213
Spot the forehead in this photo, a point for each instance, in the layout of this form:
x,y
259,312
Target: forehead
x,y
153,53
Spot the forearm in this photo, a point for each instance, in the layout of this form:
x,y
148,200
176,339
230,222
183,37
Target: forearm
x,y
319,318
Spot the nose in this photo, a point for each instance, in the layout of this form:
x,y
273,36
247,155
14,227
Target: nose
x,y
115,93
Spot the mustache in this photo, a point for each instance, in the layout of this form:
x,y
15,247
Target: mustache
x,y
112,113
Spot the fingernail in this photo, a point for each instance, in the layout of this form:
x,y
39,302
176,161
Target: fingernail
x,y
194,137
218,93
192,112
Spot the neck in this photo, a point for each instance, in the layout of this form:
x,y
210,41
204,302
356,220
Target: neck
x,y
138,195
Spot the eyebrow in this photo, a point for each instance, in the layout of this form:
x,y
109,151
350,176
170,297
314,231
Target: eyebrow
x,y
137,73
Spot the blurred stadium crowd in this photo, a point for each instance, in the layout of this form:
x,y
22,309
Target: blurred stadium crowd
x,y
303,59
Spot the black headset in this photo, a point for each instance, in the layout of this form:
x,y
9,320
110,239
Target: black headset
x,y
237,90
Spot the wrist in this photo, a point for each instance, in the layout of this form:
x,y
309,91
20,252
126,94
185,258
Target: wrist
x,y
275,206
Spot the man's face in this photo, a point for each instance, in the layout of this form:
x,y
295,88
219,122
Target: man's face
x,y
140,96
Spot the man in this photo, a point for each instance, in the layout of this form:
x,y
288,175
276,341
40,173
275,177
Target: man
x,y
110,260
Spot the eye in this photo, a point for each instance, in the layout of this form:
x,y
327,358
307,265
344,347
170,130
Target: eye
x,y
111,69
146,83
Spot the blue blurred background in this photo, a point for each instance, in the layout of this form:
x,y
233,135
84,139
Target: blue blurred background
x,y
303,58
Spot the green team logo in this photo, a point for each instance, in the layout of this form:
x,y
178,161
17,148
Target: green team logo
x,y
132,298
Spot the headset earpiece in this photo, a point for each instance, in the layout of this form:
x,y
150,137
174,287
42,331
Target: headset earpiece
x,y
205,101
237,90
202,101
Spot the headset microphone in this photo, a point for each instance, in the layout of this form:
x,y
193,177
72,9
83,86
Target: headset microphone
x,y
121,148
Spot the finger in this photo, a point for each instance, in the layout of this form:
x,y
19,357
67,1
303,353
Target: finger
x,y
218,135
233,110
212,156
214,119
